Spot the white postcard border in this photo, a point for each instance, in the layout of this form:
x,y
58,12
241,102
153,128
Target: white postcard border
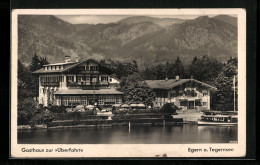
x,y
132,150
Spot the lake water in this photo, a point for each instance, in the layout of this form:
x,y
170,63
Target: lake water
x,y
135,135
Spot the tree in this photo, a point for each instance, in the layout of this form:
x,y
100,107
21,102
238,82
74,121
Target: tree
x,y
26,110
125,69
160,71
136,91
35,63
135,67
24,82
205,69
43,61
178,68
223,98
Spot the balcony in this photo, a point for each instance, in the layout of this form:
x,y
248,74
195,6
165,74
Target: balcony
x,y
50,84
89,72
88,85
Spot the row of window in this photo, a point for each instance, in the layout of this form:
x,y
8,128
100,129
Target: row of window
x,y
54,67
84,100
86,78
88,68
197,103
51,79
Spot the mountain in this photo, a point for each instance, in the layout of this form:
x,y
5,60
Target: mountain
x,y
115,34
148,40
228,19
158,21
196,37
47,23
47,36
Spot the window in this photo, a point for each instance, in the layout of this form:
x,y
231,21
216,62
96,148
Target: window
x,y
70,78
183,102
204,103
49,68
173,93
74,100
61,67
204,92
94,79
79,78
93,68
197,102
101,101
57,67
58,100
45,68
181,93
83,100
87,79
82,68
104,78
64,100
118,100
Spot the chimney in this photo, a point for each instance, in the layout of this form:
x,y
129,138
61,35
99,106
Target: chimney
x,y
77,59
67,59
177,78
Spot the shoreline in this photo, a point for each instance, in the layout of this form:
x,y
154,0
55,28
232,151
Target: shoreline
x,y
125,124
177,120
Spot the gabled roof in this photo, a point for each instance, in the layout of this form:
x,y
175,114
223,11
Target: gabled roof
x,y
61,63
171,83
69,66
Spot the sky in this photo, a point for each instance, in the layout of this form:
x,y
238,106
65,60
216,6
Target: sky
x,y
95,19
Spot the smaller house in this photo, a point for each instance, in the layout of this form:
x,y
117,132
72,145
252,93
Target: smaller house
x,y
184,93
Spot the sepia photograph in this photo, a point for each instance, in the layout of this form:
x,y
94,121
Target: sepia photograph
x,y
141,79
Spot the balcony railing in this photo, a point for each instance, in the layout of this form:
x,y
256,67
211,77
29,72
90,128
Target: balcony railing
x,y
89,71
49,84
88,84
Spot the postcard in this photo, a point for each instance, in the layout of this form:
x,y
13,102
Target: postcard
x,y
128,83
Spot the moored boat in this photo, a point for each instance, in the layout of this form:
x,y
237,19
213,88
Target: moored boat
x,y
218,118
104,113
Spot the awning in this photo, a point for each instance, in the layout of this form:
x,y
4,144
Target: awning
x,y
133,105
88,92
117,105
140,105
124,106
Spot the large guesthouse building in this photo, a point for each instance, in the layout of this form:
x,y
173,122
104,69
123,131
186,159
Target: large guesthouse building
x,y
77,83
184,93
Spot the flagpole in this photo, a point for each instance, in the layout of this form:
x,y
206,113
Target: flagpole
x,y
234,83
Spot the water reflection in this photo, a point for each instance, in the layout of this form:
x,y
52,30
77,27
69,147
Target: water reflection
x,y
133,135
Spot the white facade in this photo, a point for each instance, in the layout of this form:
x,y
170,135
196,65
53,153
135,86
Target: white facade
x,y
88,75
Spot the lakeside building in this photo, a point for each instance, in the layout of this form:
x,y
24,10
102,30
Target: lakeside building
x,y
184,93
77,83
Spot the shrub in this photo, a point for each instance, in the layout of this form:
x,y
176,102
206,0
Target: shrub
x,y
168,108
26,110
41,117
47,117
57,109
75,115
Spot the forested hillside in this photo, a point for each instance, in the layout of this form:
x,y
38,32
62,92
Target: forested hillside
x,y
145,39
